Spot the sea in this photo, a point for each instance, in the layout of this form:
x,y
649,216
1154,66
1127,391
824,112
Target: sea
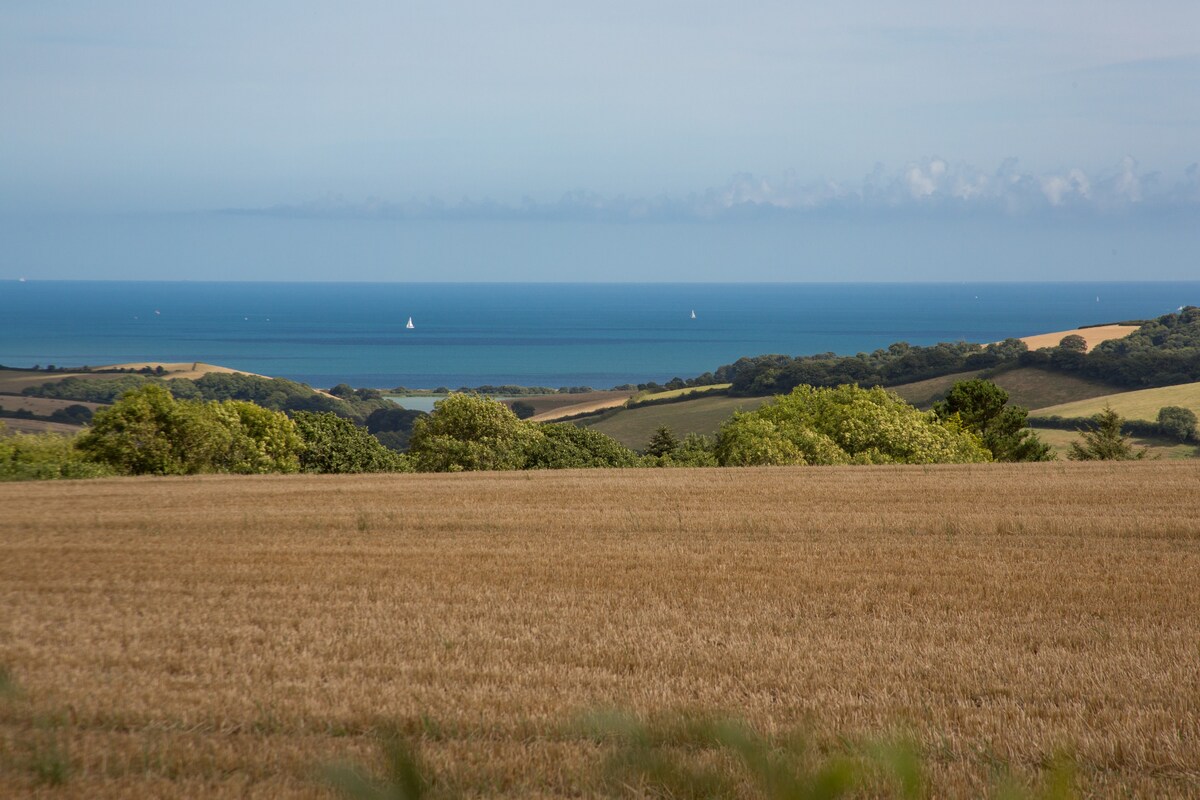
x,y
540,334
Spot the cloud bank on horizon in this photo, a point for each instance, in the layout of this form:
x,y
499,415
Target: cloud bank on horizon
x,y
931,184
126,123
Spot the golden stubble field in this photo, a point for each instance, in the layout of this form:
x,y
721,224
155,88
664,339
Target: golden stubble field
x,y
226,636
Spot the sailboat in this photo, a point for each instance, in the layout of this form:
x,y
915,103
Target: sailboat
x,y
693,313
410,326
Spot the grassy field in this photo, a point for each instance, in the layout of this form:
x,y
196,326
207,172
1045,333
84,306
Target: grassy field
x,y
1158,446
1140,404
42,406
922,394
226,636
634,426
19,425
1026,386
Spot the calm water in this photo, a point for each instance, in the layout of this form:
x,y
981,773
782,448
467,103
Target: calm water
x,y
532,334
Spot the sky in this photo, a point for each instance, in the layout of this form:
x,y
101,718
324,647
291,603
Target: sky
x,y
599,141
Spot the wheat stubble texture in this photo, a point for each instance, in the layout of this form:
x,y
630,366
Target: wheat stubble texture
x,y
225,636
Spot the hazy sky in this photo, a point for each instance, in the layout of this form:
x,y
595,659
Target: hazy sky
x,y
441,117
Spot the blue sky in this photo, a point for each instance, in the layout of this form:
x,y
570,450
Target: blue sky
x,y
146,139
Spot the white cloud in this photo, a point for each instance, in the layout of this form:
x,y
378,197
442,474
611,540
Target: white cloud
x,y
926,184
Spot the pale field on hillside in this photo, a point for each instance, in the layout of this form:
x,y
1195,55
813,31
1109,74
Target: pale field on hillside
x,y
550,407
1139,404
19,425
14,381
43,406
182,369
1093,336
226,636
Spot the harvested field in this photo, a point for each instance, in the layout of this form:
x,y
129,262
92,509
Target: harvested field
x,y
225,636
1093,336
549,407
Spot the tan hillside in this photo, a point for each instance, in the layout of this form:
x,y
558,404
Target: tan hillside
x,y
227,636
556,406
1093,336
181,369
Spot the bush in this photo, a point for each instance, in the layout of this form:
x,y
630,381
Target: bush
x,y
1177,422
149,432
471,432
1106,442
566,446
43,456
844,425
523,410
332,444
72,415
694,451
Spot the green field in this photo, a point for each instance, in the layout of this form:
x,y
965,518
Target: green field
x,y
1159,447
1028,387
1140,404
923,394
634,426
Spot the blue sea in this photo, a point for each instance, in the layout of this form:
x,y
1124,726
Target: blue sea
x,y
469,334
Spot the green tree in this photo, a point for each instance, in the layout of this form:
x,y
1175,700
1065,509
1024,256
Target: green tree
x,y
1073,343
844,425
42,456
695,450
1177,422
471,432
982,408
523,410
330,443
1106,442
567,446
751,440
149,432
662,442
262,441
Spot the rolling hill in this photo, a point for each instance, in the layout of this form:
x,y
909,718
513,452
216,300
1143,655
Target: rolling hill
x,y
1138,404
633,426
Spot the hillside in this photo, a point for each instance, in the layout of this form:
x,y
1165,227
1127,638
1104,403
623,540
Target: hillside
x,y
634,426
549,407
1093,335
1157,447
1139,404
229,636
13,381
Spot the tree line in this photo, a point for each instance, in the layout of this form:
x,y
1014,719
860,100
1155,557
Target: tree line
x,y
1163,352
148,430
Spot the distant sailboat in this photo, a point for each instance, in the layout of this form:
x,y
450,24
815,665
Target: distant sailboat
x,y
693,313
410,326
20,280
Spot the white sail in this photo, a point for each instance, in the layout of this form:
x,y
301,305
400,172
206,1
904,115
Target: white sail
x,y
693,313
410,326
